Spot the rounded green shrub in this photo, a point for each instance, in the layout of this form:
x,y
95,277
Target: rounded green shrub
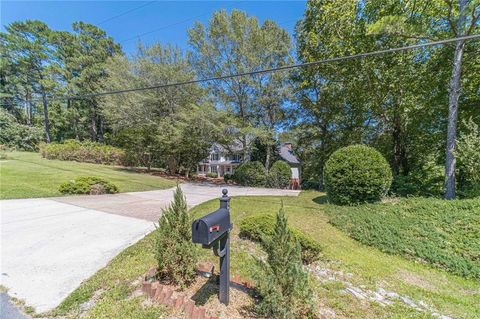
x,y
88,185
251,173
279,175
256,227
356,174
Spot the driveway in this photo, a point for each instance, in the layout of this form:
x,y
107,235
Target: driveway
x,y
50,245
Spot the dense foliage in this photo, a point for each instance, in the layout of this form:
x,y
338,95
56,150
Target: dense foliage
x,y
281,281
355,174
18,136
251,173
441,233
175,253
279,175
257,227
89,152
88,185
468,156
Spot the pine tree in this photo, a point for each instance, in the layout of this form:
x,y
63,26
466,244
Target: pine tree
x,y
175,253
281,281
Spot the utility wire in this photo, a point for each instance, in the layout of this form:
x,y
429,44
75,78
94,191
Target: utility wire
x,y
283,68
287,67
126,12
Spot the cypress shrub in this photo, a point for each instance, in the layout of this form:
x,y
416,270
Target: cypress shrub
x,y
356,174
281,281
175,253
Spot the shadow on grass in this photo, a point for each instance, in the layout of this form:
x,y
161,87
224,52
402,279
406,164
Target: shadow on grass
x,y
321,199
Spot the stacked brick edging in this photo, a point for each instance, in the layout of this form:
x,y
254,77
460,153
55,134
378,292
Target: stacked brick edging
x,y
166,295
178,301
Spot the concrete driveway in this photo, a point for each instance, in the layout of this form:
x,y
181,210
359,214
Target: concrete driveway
x,y
49,246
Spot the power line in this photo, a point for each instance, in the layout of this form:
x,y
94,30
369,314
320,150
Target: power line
x,y
283,68
126,12
162,28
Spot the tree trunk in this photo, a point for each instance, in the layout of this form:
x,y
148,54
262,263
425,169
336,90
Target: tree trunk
x,y
397,145
46,122
454,95
267,158
93,122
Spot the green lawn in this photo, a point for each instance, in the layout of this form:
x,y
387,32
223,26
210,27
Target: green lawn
x,y
26,175
112,287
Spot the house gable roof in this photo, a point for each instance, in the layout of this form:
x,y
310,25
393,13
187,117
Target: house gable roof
x,y
287,155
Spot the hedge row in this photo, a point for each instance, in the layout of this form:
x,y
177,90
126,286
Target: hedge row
x,y
258,226
89,152
253,173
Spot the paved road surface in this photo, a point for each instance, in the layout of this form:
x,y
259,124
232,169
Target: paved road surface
x,y
50,245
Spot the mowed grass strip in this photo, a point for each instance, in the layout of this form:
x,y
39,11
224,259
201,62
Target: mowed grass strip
x,y
445,234
28,175
112,288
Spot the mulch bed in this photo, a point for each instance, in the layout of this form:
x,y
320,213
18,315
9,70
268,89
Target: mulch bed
x,y
199,300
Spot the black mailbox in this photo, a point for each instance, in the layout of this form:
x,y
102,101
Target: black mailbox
x,y
213,231
211,227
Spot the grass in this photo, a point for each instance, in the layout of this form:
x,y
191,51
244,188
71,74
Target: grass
x,y
27,175
442,233
113,287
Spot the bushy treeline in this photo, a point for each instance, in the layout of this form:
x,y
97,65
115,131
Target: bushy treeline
x,y
87,151
397,103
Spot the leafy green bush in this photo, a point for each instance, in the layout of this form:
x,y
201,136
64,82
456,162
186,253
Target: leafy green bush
x,y
442,233
212,175
89,152
175,253
88,185
282,283
16,135
227,177
355,174
468,158
279,175
256,227
427,180
250,173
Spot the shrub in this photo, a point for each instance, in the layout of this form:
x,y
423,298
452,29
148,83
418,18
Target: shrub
x,y
282,283
356,173
227,177
256,227
250,173
426,180
439,232
16,135
468,157
279,175
89,152
212,175
175,253
88,185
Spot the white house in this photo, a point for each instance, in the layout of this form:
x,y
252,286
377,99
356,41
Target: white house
x,y
222,161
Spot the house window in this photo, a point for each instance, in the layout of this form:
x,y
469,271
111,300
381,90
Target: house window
x,y
213,169
236,158
228,169
214,157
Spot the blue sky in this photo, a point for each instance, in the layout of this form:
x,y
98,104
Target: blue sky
x,y
159,21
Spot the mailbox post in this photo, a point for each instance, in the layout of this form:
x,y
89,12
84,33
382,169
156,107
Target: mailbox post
x,y
213,231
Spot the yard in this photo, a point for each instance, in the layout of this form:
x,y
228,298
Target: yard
x,y
28,175
345,279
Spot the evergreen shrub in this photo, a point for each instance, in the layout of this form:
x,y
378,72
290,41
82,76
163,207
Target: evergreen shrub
x,y
175,253
279,175
281,281
88,185
256,227
251,173
356,174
